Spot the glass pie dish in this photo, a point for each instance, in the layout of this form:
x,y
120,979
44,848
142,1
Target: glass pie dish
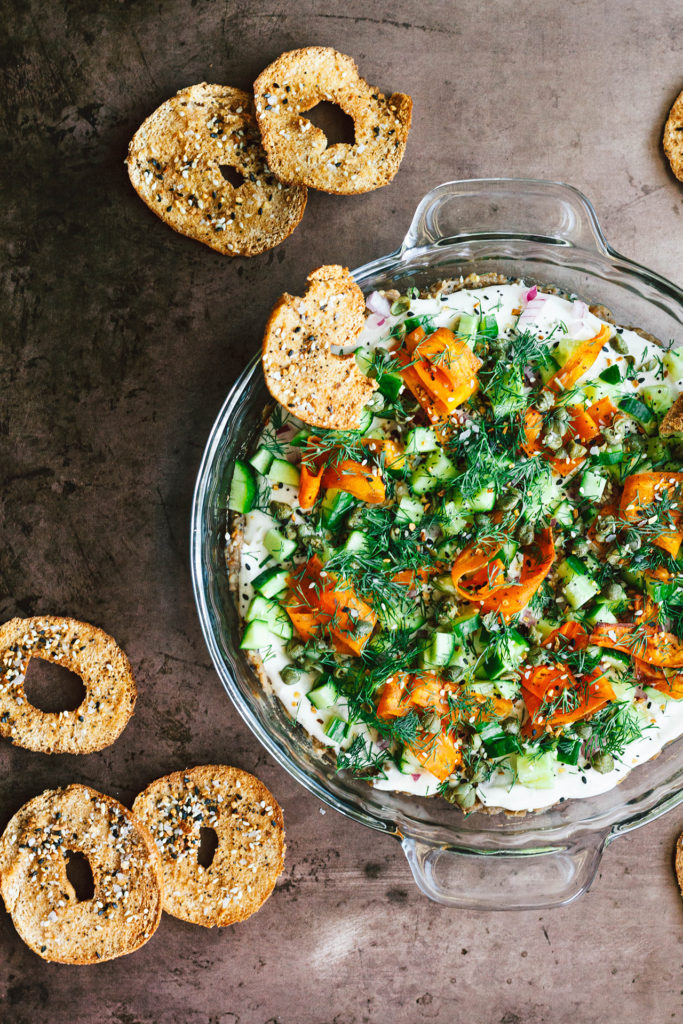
x,y
546,233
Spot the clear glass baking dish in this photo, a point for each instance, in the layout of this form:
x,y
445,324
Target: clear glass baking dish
x,y
546,233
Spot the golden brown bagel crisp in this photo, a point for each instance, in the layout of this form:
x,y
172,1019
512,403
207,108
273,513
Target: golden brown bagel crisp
x,y
174,162
297,150
249,828
673,137
92,654
126,905
301,371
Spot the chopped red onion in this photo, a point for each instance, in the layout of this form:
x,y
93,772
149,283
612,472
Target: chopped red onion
x,y
416,776
531,294
377,303
531,311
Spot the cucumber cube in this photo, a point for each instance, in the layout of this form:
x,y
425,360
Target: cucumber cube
x,y
659,398
578,590
673,360
537,772
283,472
592,485
257,635
261,460
271,582
278,546
324,695
421,439
409,511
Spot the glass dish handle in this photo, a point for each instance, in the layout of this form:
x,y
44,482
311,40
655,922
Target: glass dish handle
x,y
548,211
524,880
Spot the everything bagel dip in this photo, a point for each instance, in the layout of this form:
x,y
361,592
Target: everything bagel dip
x,y
476,591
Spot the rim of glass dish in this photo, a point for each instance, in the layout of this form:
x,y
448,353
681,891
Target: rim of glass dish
x,y
612,821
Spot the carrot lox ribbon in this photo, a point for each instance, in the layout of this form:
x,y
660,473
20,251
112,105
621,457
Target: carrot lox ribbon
x,y
580,361
543,684
645,489
439,370
310,475
507,598
670,683
653,647
318,601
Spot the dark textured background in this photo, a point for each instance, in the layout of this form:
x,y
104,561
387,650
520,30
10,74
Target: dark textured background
x,y
119,342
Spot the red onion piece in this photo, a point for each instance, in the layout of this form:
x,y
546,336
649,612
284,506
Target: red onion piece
x,y
531,294
377,303
416,776
531,311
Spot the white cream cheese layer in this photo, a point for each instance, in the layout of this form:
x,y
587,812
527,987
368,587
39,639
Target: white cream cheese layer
x,y
664,718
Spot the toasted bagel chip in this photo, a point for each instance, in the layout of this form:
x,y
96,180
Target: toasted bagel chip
x,y
673,137
301,371
174,162
679,862
110,689
249,829
297,150
126,905
673,421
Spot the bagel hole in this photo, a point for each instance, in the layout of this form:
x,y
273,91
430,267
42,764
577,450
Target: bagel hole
x,y
334,122
208,843
79,873
231,175
52,688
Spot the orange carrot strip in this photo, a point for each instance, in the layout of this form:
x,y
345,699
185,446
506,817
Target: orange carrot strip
x,y
580,361
582,424
506,598
437,753
663,650
543,683
642,489
602,411
356,479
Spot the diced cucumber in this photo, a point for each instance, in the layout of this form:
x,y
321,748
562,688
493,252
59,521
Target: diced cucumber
x,y
283,472
509,550
659,398
635,577
565,347
421,439
658,451
444,584
468,326
271,582
488,326
619,600
390,385
570,567
270,612
324,695
508,688
508,395
436,471
498,743
537,772
568,750
610,457
611,375
660,590
640,412
242,488
356,542
278,546
261,460
364,358
600,612
465,624
451,518
407,763
483,501
334,507
592,485
409,510
336,729
257,635
508,656
548,368
578,590
673,360
440,650
365,420
616,659
564,513
405,615
544,628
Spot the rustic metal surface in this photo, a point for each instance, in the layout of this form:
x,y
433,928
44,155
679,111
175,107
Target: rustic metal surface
x,y
119,340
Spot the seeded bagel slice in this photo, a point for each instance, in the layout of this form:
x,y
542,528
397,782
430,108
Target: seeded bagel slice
x,y
298,151
249,855
174,162
110,690
126,905
673,137
301,371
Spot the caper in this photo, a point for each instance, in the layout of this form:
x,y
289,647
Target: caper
x,y
464,795
575,450
633,541
619,344
559,420
482,519
313,540
291,532
281,511
509,500
606,526
602,762
478,773
396,532
340,672
294,647
510,725
535,656
400,306
614,557
613,592
362,628
581,546
525,533
309,661
290,674
583,730
651,364
552,440
545,401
